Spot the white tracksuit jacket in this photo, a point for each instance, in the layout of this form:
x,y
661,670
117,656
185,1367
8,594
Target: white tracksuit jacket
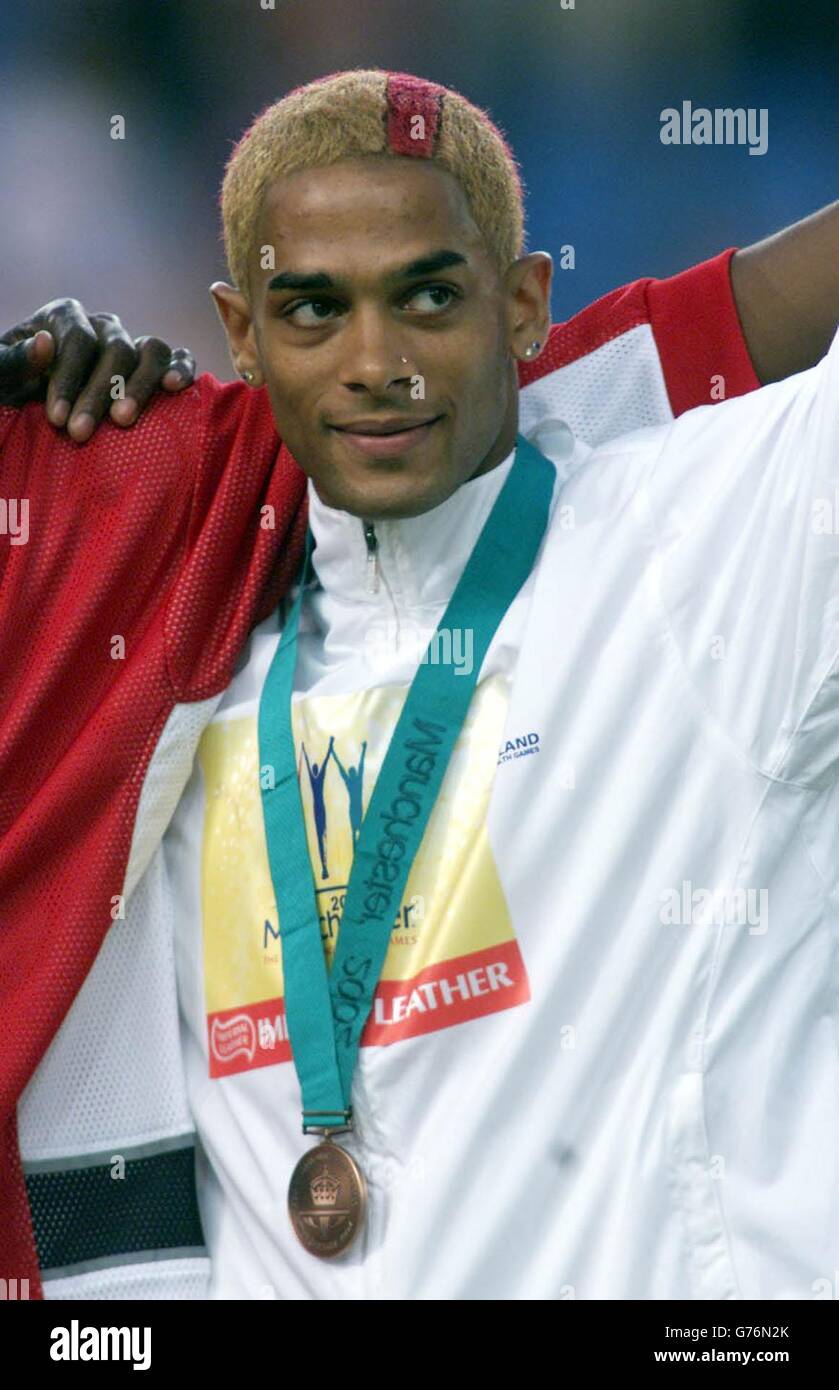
x,y
602,1062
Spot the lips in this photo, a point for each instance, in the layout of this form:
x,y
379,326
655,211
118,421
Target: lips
x,y
386,439
379,427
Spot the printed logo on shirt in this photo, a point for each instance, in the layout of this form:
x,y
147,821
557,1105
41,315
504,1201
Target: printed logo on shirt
x,y
453,954
522,746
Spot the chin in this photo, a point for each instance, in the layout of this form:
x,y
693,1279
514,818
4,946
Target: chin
x,y
376,497
402,502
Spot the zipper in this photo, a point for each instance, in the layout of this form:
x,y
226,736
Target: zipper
x,y
372,543
375,573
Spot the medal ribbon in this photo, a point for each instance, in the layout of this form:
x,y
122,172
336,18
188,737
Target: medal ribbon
x,y
326,1010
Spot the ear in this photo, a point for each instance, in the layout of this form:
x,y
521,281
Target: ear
x,y
235,314
528,285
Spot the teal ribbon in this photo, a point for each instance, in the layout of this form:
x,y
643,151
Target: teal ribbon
x,y
326,1010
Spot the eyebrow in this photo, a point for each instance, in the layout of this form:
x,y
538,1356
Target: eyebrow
x,y
320,280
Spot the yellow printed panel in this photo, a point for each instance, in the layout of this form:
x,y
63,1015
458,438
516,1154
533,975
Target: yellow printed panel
x,y
453,905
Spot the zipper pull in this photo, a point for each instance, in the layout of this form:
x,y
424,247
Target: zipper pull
x,y
372,557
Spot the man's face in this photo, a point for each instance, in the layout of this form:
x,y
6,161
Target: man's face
x,y
376,260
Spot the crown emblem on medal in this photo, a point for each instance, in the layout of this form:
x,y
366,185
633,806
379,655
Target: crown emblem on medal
x,y
324,1190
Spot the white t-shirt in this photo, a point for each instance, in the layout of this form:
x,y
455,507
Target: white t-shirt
x,y
603,1057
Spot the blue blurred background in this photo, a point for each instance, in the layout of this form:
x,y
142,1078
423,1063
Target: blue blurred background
x,y
132,225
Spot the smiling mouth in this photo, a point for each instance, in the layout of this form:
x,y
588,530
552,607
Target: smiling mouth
x,y
369,429
387,442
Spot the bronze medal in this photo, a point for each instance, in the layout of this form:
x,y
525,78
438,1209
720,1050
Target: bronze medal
x,y
327,1200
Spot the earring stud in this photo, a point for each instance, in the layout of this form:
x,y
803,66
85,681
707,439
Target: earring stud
x,y
534,347
248,377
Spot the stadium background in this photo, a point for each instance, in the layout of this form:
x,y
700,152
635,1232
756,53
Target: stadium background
x,y
132,225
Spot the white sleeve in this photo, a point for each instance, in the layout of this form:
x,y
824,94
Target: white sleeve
x,y
743,509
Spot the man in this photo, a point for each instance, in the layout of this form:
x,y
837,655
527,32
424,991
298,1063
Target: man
x,y
476,963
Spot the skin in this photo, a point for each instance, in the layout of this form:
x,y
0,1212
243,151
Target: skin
x,y
330,356
787,294
67,358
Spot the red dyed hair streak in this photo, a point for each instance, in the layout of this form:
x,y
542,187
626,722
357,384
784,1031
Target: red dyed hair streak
x,y
407,97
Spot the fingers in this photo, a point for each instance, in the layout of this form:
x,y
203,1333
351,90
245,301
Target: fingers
x,y
112,364
24,359
84,367
181,371
157,366
76,350
138,369
41,350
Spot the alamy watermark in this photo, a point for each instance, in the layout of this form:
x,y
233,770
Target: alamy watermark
x,y
687,906
825,514
79,1342
722,125
446,646
14,519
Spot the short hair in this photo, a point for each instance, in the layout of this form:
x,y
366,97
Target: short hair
x,y
367,111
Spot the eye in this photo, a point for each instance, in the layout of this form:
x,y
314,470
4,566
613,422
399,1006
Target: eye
x,y
435,307
310,319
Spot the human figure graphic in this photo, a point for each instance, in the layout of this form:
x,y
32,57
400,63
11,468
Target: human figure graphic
x,y
354,782
316,776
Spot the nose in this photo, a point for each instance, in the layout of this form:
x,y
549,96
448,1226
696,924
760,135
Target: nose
x,y
372,356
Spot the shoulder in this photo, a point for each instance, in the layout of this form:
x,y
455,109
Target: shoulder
x,y
641,354
764,451
166,427
599,483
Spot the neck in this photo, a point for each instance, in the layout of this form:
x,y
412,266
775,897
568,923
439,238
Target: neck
x,y
498,453
403,561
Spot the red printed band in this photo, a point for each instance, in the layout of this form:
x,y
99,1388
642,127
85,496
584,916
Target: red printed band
x,y
452,991
414,108
253,1036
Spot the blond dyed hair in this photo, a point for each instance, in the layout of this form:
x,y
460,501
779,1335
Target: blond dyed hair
x,y
349,115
